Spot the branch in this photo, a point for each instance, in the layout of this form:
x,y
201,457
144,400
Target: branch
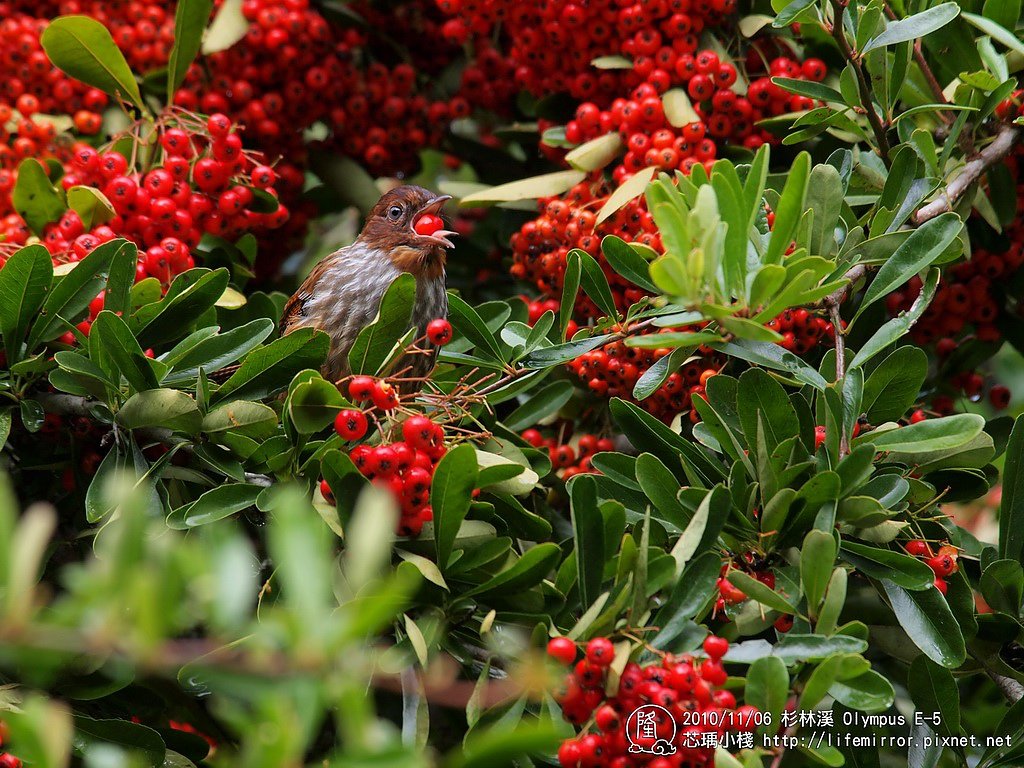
x,y
999,148
838,8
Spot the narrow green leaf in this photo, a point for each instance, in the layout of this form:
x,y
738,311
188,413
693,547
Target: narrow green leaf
x,y
25,279
84,49
450,496
189,23
914,27
926,618
588,536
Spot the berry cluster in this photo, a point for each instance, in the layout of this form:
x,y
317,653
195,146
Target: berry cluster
x,y
204,184
293,69
801,331
7,760
406,468
540,247
551,45
564,456
614,370
943,561
31,84
687,688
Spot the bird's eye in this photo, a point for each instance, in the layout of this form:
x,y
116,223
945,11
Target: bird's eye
x,y
394,212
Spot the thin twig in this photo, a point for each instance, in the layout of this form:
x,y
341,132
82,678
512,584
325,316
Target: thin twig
x,y
999,148
881,139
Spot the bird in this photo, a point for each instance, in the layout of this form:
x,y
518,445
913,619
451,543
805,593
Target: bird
x,y
342,293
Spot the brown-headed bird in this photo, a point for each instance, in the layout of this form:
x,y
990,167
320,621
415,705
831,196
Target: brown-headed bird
x,y
342,294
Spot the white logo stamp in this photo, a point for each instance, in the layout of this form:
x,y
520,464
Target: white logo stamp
x,y
651,730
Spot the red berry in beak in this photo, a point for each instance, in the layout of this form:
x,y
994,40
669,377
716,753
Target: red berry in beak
x,y
428,224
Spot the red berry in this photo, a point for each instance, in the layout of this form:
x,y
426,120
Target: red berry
x,y
428,224
360,388
439,332
716,647
784,623
325,491
918,548
942,565
918,416
940,584
384,396
999,396
350,424
562,649
600,652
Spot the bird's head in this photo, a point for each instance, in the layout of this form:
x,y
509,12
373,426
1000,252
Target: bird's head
x,y
396,227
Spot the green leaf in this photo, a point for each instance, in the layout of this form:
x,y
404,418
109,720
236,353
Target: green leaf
x,y
167,408
995,31
468,322
934,690
793,648
570,287
868,692
596,153
112,335
72,293
762,593
228,27
314,404
528,571
375,342
914,27
893,387
625,260
595,284
656,375
269,369
929,435
926,618
540,405
588,535
817,557
1011,507
83,48
94,738
450,496
34,197
821,679
91,205
767,686
190,295
559,354
217,351
532,188
221,502
809,88
1002,586
789,209
189,22
899,325
762,398
24,281
924,246
878,563
631,189
253,420
775,357
691,592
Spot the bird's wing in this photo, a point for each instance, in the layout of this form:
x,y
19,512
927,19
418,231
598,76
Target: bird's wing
x,y
294,309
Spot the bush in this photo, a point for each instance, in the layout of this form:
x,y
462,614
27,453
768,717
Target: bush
x,y
734,324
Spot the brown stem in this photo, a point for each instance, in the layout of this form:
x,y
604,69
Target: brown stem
x,y
881,139
999,148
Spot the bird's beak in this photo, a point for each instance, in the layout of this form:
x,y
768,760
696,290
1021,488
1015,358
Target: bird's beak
x,y
434,206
